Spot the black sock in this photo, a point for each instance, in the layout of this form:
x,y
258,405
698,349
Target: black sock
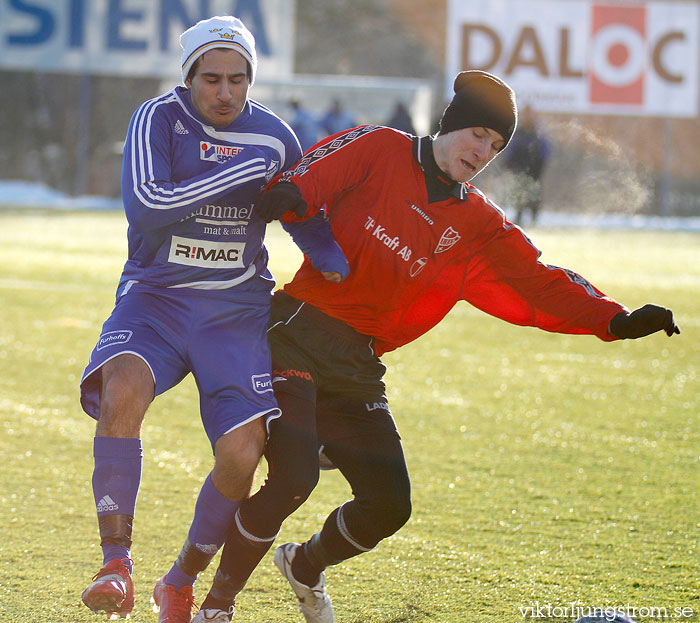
x,y
212,603
303,570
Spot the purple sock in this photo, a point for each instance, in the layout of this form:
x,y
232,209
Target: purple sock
x,y
213,515
178,578
115,483
110,552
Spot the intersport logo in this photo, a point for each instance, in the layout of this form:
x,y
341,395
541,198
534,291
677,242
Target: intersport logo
x,y
217,153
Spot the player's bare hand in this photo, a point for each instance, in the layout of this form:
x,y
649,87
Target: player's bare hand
x,y
331,275
644,321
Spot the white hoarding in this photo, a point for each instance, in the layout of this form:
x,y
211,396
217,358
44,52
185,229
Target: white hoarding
x,y
574,56
132,37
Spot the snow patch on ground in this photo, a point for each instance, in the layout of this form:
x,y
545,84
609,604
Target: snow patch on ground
x,y
22,194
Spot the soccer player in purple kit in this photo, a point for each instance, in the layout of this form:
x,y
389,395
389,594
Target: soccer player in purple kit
x,y
194,295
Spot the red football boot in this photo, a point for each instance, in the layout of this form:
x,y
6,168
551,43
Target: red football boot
x,y
174,606
112,590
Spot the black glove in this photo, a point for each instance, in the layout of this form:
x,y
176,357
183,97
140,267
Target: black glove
x,y
281,198
643,321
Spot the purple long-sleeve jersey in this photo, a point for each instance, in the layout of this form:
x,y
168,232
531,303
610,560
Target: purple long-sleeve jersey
x,y
189,192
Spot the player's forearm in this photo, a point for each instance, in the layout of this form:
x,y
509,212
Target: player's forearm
x,y
154,204
315,240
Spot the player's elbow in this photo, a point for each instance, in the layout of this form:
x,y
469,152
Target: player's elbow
x,y
142,219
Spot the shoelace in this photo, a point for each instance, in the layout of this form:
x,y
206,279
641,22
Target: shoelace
x,y
181,604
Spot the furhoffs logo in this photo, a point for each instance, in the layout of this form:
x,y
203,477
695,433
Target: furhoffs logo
x,y
262,383
112,338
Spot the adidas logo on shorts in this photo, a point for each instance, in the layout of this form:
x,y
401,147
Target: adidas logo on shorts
x,y
107,504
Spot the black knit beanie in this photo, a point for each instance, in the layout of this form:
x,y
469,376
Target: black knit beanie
x,y
481,100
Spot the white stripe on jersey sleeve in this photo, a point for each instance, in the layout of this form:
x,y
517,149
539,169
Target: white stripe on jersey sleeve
x,y
225,180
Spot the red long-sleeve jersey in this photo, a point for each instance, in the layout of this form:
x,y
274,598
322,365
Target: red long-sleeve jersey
x,y
417,243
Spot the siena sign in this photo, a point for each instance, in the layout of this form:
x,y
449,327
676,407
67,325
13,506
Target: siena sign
x,y
583,57
131,37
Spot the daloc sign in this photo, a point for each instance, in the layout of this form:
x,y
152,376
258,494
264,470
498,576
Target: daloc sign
x,y
577,56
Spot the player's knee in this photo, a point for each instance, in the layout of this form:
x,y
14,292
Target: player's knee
x,y
295,485
383,516
127,389
240,450
394,514
127,382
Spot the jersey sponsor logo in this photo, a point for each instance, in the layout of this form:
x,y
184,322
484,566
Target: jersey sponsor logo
x,y
224,215
112,338
420,212
179,128
205,253
292,373
373,406
262,383
449,238
418,266
220,230
217,153
379,232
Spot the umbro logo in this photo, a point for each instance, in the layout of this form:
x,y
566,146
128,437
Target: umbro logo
x,y
179,128
107,504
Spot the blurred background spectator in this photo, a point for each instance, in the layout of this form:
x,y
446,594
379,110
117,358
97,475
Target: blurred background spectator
x,y
401,119
526,157
337,118
304,125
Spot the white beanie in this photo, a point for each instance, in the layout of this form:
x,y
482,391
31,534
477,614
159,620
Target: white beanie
x,y
223,31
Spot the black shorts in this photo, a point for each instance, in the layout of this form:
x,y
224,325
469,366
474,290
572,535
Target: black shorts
x,y
323,360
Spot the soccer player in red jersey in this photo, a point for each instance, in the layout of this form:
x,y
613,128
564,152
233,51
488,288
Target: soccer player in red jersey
x,y
417,238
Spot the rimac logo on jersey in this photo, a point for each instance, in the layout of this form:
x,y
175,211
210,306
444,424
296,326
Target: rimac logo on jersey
x,y
206,253
217,153
449,238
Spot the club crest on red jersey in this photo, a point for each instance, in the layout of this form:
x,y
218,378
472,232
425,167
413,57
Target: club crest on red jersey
x,y
449,238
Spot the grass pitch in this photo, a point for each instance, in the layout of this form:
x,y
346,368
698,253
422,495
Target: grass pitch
x,y
549,472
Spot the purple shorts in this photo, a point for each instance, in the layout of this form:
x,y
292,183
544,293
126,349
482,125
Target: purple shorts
x,y
223,343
